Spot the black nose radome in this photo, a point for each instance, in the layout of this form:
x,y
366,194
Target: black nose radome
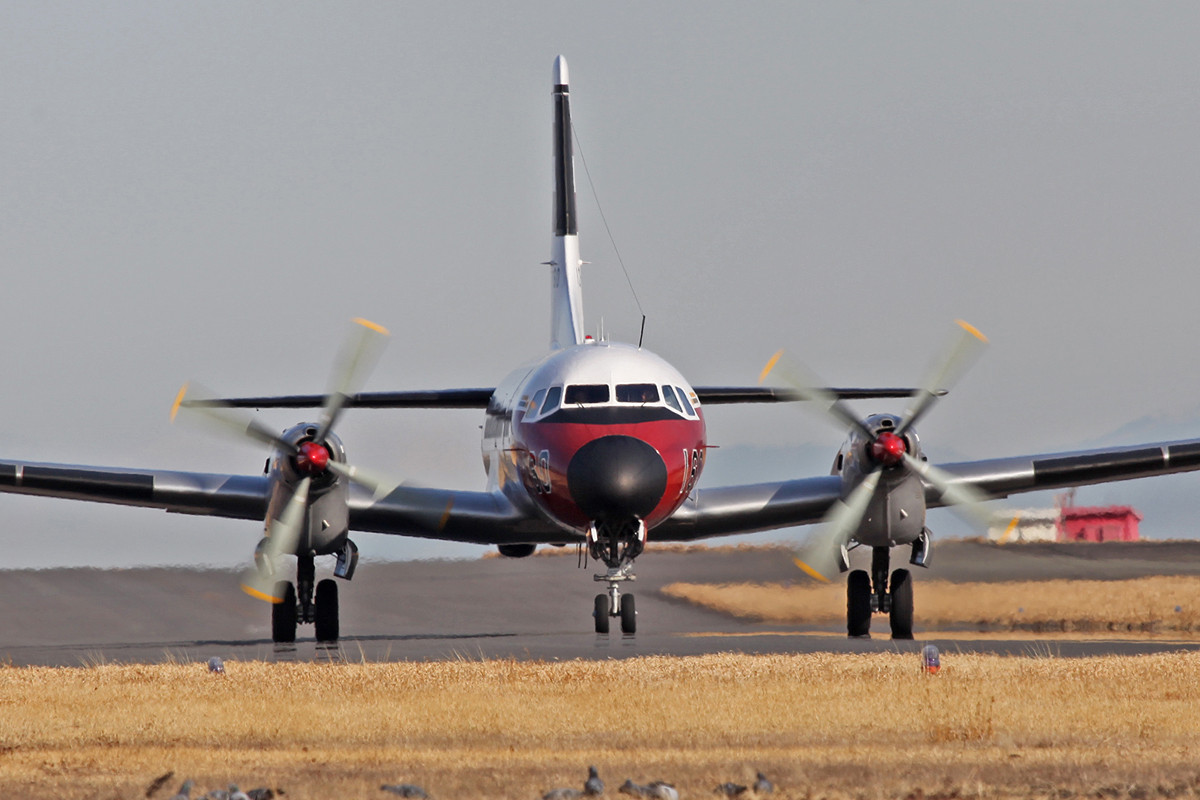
x,y
616,477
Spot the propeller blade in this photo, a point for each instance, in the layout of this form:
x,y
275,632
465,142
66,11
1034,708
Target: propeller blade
x,y
809,387
198,402
964,350
819,556
381,485
961,498
359,355
282,538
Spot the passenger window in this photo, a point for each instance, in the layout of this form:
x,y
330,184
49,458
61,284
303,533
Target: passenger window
x,y
672,401
536,403
552,398
686,405
586,393
637,393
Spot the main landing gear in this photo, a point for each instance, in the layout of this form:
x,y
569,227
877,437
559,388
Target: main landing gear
x,y
867,594
617,545
301,604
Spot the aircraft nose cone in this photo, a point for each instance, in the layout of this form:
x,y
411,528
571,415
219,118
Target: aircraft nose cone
x,y
616,477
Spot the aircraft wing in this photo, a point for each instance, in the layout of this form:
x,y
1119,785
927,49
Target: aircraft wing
x,y
479,397
235,496
729,510
460,516
452,515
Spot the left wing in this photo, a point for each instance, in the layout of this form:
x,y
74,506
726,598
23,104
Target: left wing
x,y
730,510
459,516
235,496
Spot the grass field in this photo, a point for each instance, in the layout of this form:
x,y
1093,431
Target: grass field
x,y
854,726
1169,604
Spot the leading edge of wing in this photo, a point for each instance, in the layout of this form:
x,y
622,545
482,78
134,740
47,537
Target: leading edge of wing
x,y
205,494
452,515
435,398
1001,477
721,395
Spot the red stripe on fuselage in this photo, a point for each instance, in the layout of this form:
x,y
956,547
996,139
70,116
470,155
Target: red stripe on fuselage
x,y
547,447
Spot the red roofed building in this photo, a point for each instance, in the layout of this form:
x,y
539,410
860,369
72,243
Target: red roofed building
x,y
1093,524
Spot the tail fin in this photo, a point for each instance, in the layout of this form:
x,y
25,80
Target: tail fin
x,y
566,318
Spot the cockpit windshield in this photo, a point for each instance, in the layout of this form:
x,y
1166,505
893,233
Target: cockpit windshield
x,y
585,393
637,393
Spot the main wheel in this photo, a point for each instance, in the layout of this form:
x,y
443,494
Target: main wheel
x,y
858,605
628,614
601,613
902,604
327,611
283,613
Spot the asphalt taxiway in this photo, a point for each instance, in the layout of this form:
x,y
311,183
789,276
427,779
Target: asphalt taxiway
x,y
533,608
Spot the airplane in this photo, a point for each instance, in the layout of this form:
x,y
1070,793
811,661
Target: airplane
x,y
598,444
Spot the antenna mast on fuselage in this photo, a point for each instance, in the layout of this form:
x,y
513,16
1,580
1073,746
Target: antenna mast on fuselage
x,y
566,315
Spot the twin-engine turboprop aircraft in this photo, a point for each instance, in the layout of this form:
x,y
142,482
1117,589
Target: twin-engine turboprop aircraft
x,y
597,443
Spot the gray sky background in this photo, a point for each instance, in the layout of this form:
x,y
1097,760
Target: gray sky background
x,y
212,190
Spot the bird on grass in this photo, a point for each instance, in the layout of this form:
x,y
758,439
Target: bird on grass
x,y
593,785
656,790
562,794
762,785
405,790
661,790
158,783
237,794
263,794
185,791
731,789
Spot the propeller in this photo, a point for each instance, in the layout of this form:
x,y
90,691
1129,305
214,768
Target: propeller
x,y
822,552
358,356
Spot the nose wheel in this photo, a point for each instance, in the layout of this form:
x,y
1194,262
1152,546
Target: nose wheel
x,y
615,604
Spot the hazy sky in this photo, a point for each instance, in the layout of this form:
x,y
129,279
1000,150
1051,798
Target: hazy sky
x,y
212,190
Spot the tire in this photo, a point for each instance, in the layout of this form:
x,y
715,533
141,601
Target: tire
x,y
858,605
628,614
326,617
283,614
902,604
601,613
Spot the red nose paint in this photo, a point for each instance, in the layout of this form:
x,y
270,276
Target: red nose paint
x,y
888,449
312,458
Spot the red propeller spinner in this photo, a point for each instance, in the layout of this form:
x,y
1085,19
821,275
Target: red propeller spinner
x,y
888,449
311,458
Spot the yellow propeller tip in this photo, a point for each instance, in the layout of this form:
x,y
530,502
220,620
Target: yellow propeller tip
x,y
810,571
366,323
255,593
971,329
178,401
762,376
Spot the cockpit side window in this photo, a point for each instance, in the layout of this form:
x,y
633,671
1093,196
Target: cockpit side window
x,y
672,401
637,393
691,412
536,403
586,393
552,399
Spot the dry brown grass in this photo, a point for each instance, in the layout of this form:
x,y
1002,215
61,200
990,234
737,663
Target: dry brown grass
x,y
860,726
1141,605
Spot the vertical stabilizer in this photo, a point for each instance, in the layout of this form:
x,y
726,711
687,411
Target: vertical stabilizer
x,y
566,316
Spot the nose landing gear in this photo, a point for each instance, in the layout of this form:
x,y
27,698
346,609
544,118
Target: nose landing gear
x,y
617,545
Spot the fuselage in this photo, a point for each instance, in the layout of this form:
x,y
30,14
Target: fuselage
x,y
595,432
